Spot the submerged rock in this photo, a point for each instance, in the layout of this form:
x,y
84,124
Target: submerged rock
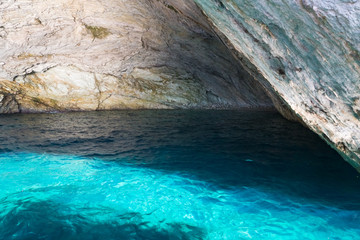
x,y
308,52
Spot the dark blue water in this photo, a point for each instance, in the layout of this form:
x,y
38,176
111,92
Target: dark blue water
x,y
172,175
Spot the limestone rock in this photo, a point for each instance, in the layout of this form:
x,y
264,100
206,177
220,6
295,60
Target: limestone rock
x,y
308,52
61,55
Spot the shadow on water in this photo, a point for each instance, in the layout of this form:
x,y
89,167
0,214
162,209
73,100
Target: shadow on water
x,y
49,220
228,148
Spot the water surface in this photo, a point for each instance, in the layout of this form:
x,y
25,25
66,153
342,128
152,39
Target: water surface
x,y
172,175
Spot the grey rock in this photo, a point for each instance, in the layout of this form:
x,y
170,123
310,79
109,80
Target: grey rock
x,y
308,53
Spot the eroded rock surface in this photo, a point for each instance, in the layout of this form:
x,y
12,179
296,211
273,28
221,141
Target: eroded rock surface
x,y
308,52
111,54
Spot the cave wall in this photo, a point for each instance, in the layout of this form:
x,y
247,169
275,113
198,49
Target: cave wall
x,y
302,56
110,54
308,52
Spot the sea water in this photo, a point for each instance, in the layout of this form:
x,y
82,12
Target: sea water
x,y
172,174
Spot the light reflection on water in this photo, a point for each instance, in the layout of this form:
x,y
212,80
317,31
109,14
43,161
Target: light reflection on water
x,y
172,175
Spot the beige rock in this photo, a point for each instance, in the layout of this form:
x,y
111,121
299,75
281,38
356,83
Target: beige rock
x,y
94,54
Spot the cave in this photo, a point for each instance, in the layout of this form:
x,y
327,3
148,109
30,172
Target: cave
x,y
187,119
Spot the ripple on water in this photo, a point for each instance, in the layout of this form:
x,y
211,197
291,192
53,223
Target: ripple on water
x,y
162,180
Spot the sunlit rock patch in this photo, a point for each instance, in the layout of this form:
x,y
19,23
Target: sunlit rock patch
x,y
94,55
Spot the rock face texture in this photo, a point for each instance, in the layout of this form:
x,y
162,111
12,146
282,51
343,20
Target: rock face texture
x,y
114,54
308,52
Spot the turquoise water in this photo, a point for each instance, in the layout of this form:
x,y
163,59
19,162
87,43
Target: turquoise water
x,y
172,175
